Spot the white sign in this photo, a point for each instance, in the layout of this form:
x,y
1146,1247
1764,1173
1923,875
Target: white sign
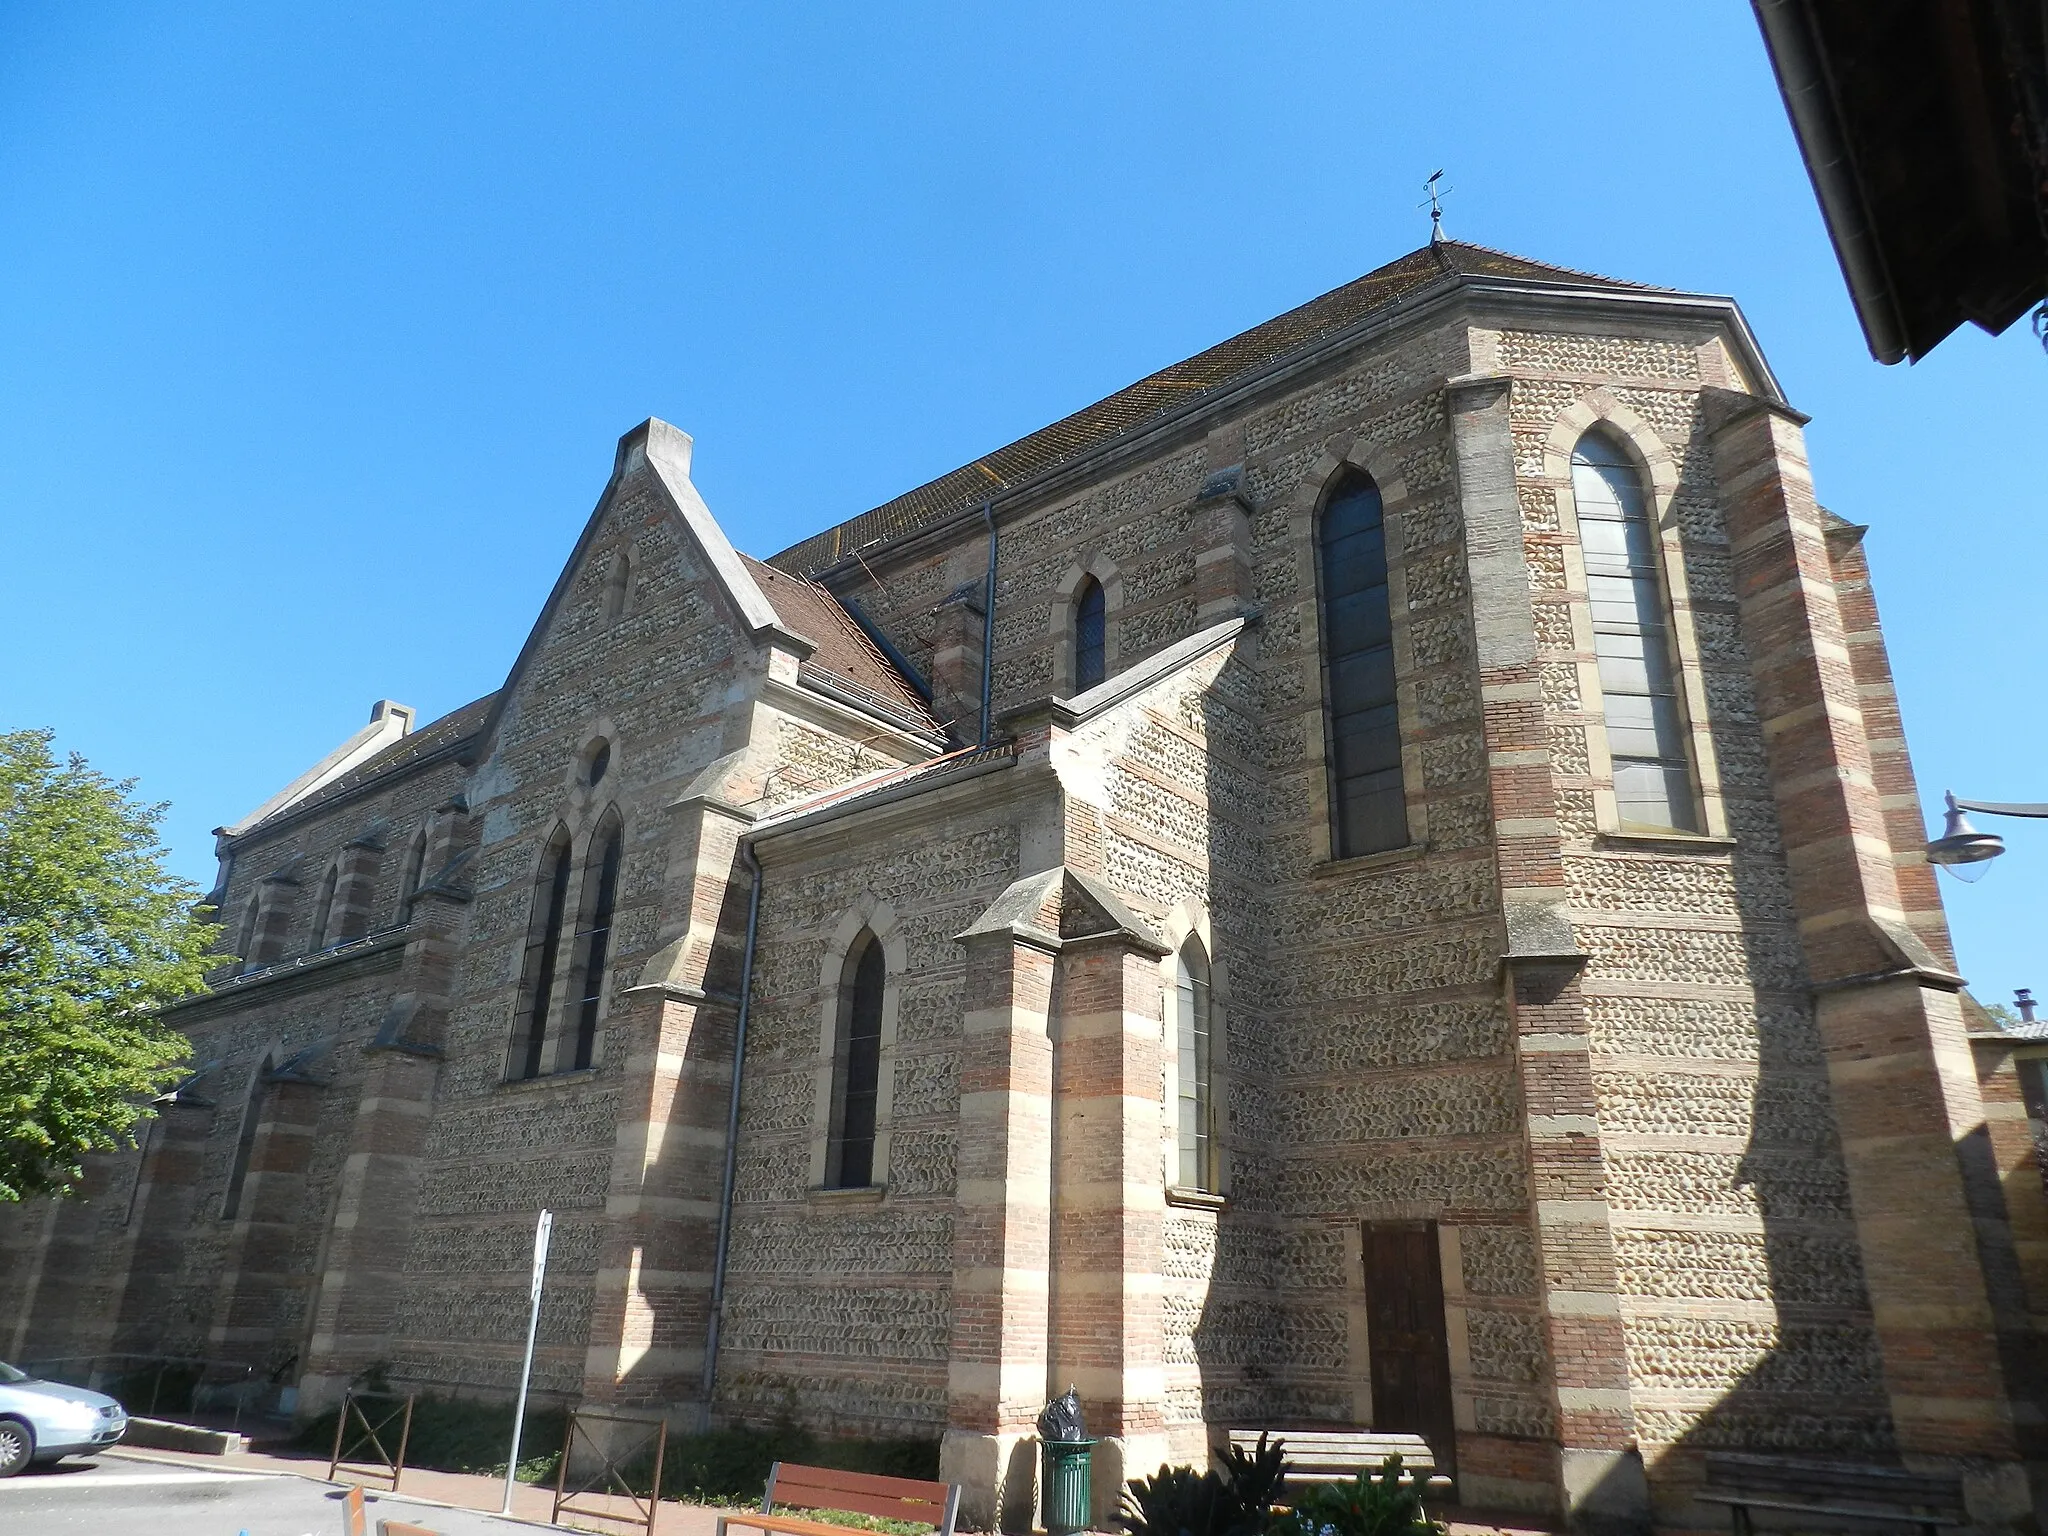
x,y
541,1231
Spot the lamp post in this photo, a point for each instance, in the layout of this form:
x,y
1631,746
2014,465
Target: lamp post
x,y
1961,849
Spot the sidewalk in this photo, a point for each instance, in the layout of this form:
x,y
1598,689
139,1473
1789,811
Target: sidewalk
x,y
531,1503
457,1490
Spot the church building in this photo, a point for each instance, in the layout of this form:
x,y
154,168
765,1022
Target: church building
x,y
1369,879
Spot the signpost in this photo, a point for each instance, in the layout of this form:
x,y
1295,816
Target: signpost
x,y
541,1230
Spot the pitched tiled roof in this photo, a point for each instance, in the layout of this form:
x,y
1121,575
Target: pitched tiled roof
x,y
408,749
844,651
1152,397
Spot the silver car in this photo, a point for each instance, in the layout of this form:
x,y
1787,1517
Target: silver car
x,y
43,1420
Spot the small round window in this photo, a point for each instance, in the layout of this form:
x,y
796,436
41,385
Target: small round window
x,y
600,760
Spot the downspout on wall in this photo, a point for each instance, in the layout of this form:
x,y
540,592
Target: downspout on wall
x,y
732,1131
988,629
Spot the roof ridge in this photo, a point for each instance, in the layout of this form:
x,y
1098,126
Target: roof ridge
x,y
1551,266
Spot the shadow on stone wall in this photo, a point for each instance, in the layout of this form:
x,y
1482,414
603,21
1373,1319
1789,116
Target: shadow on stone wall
x,y
1268,1340
1816,1385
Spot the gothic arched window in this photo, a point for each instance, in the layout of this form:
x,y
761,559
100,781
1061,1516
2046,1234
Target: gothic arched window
x,y
1091,633
245,943
618,590
1195,1070
594,935
857,1067
1653,785
543,948
1368,807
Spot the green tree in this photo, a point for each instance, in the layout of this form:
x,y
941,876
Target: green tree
x,y
96,937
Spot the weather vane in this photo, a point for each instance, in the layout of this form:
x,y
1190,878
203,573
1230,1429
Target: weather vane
x,y
1435,205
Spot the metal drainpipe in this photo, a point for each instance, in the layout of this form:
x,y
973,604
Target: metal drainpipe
x,y
732,1132
988,629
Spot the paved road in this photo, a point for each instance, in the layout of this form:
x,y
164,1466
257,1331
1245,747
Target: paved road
x,y
113,1496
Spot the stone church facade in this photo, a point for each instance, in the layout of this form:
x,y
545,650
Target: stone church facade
x,y
1372,878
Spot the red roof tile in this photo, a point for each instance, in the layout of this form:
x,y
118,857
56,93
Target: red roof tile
x,y
844,650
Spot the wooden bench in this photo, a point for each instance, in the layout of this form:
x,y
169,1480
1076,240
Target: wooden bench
x,y
1336,1456
1929,1500
892,1498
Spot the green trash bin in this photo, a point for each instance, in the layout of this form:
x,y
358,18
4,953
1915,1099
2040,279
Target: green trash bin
x,y
1069,1485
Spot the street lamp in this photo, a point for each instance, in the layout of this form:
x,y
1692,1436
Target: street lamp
x,y
1961,849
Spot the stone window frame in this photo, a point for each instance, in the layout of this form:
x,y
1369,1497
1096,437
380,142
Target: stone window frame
x,y
875,916
1459,1304
581,818
558,843
1190,920
1310,493
323,907
1658,469
412,874
1106,573
609,822
268,920
247,930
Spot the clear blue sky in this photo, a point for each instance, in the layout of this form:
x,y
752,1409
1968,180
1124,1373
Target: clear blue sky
x,y
319,322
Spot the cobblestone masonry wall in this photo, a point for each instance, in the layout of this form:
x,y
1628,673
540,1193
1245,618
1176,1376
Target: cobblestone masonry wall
x,y
173,1301
1393,1094
838,1307
655,682
306,846
1744,1304
330,1018
1168,794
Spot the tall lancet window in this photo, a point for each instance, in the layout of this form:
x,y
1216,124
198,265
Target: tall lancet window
x,y
1091,630
1368,808
594,935
857,1067
245,941
1198,1165
543,949
1653,786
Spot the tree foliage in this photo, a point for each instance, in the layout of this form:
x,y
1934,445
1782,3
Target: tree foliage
x,y
96,937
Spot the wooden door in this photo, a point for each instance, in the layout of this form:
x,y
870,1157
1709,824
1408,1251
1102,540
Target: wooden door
x,y
1404,1313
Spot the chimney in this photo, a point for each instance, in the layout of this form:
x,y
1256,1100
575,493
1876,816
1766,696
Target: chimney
x,y
2025,998
386,708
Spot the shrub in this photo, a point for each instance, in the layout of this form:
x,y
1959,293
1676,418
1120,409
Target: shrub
x,y
1179,1501
452,1435
1368,1505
